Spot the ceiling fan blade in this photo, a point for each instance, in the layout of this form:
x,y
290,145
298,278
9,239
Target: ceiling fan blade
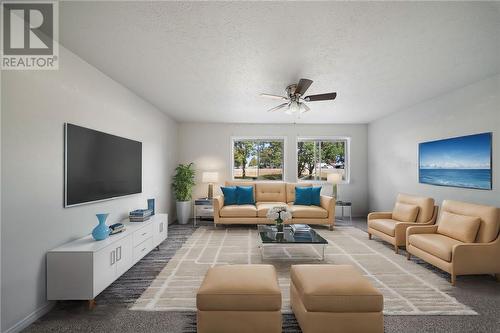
x,y
274,96
320,97
303,85
281,106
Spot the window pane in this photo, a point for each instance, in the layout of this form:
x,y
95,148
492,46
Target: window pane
x,y
245,155
258,159
306,164
270,160
332,157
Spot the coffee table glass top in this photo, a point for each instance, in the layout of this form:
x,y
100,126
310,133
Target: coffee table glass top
x,y
269,234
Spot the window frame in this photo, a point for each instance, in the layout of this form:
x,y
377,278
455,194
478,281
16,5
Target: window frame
x,y
347,170
257,138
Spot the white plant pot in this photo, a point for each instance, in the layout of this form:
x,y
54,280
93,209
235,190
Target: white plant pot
x,y
183,211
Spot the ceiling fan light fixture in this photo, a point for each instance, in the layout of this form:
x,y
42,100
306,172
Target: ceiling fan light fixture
x,y
294,107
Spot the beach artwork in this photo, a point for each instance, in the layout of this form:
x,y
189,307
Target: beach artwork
x,y
460,162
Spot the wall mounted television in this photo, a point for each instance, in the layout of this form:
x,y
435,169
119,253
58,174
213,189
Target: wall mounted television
x,y
464,161
99,166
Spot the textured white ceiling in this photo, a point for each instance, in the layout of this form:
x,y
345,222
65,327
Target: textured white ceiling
x,y
207,61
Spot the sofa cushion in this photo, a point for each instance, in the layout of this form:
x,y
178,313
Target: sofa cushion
x,y
313,212
489,215
290,190
316,195
238,211
438,245
303,196
387,226
270,192
335,288
405,212
240,288
263,207
244,195
460,227
229,195
425,205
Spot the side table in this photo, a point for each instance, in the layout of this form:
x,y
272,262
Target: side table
x,y
203,207
344,204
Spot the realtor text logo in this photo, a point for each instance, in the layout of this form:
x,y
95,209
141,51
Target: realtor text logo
x,y
29,35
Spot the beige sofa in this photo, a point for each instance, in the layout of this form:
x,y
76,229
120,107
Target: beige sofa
x,y
465,240
386,226
270,194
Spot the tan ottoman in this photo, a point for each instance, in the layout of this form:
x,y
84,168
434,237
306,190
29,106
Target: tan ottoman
x,y
239,299
335,298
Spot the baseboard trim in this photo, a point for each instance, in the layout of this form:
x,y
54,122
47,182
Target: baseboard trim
x,y
31,318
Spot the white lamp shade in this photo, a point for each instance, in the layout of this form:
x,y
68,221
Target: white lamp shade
x,y
334,178
210,177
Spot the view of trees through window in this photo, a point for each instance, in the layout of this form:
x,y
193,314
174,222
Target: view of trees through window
x,y
317,158
260,159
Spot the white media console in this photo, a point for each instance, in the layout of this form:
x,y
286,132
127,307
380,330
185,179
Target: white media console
x,y
82,269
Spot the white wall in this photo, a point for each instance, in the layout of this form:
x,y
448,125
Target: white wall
x,y
35,105
209,147
393,143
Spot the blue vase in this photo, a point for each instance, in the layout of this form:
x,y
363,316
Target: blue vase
x,y
101,231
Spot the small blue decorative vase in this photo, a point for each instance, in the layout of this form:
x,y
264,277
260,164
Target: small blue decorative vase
x,y
101,231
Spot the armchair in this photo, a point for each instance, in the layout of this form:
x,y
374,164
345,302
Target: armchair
x,y
450,252
385,225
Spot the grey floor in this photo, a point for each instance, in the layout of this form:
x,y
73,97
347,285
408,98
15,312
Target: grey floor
x,y
482,293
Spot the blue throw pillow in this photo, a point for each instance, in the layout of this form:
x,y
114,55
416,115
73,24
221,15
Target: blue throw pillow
x,y
244,195
303,196
229,195
315,195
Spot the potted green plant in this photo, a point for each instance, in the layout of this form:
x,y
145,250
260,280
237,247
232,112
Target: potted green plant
x,y
183,182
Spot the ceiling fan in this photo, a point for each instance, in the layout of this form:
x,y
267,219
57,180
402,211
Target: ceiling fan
x,y
294,102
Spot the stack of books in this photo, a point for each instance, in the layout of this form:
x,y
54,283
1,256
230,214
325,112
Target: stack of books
x,y
301,232
300,228
116,228
140,215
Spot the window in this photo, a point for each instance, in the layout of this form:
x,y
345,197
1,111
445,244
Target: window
x,y
316,157
257,158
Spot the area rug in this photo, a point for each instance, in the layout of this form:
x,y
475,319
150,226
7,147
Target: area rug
x,y
408,289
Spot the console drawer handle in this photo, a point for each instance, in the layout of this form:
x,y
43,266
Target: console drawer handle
x,y
144,234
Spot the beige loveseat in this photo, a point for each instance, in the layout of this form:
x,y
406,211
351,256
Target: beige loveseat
x,y
267,195
465,240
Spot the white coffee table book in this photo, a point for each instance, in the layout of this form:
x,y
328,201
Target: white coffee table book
x,y
81,269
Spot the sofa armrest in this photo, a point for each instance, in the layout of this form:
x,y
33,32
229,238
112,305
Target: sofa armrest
x,y
420,229
400,231
476,258
218,204
328,203
379,215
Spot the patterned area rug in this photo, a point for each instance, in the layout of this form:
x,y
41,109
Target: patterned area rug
x,y
408,289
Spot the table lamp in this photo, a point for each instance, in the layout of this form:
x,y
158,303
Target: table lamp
x,y
334,178
210,178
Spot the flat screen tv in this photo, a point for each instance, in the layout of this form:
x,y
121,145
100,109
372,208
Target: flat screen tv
x,y
99,166
464,161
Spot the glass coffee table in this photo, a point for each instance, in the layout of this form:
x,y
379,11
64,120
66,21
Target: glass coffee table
x,y
270,238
